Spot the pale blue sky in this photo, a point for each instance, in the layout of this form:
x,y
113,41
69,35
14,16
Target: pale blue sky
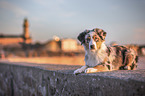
x,y
123,20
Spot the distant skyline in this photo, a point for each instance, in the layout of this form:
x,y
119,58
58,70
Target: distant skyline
x,y
123,20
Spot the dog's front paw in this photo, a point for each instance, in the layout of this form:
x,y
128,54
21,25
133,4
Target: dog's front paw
x,y
78,71
91,70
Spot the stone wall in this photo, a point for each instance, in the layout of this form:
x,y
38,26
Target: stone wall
x,y
28,80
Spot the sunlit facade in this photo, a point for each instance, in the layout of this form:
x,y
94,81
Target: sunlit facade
x,y
15,39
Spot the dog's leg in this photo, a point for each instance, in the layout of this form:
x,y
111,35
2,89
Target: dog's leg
x,y
91,70
128,61
98,68
80,70
134,64
131,59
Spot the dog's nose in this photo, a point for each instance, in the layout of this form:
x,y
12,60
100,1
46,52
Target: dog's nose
x,y
92,46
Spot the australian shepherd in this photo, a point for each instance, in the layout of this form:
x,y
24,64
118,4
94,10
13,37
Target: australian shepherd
x,y
100,58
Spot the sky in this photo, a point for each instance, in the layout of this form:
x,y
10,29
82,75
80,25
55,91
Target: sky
x,y
123,20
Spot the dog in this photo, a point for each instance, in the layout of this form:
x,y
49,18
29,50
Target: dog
x,y
99,57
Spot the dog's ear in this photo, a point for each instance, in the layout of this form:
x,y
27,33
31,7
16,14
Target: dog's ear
x,y
101,33
81,36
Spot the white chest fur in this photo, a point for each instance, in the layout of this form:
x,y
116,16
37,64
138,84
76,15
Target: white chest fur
x,y
93,58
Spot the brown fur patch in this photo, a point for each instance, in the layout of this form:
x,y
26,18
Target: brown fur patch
x,y
101,68
99,45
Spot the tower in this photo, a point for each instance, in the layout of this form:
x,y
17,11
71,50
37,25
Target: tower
x,y
26,28
26,36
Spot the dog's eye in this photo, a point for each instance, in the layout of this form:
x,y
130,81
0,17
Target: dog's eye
x,y
96,39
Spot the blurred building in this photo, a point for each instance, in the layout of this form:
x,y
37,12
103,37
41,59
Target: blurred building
x,y
69,45
53,46
15,39
63,45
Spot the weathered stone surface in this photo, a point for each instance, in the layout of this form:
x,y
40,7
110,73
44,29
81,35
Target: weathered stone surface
x,y
19,79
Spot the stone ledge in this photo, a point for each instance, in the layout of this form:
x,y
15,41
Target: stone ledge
x,y
28,79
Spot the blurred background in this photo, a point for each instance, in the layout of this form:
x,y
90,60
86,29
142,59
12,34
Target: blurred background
x,y
42,31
